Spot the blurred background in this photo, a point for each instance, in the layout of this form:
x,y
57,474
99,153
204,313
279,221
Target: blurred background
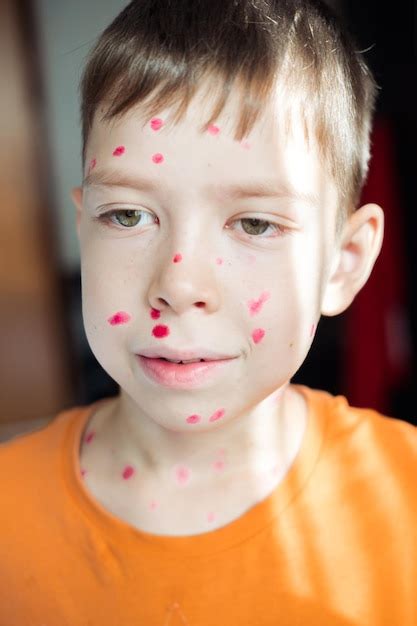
x,y
368,353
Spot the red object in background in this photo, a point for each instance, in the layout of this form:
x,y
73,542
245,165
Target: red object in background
x,y
376,357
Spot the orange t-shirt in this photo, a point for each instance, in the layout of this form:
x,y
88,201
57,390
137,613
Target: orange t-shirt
x,y
334,543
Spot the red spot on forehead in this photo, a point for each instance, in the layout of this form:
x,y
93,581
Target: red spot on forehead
x,y
128,472
160,331
155,314
177,258
158,158
245,144
217,415
156,123
258,334
256,305
119,151
213,129
121,317
193,419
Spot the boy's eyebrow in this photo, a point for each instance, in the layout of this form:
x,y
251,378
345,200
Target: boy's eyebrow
x,y
254,189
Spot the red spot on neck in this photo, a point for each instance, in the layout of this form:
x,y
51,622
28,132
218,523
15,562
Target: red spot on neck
x,y
119,151
177,258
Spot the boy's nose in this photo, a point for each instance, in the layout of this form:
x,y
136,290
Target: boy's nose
x,y
186,285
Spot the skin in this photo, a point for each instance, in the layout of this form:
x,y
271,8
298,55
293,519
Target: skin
x,y
295,277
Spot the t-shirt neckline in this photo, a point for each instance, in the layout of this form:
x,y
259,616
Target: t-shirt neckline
x,y
253,521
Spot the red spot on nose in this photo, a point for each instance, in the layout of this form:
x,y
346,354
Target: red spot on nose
x,y
155,314
158,158
216,415
258,335
213,129
128,472
156,123
119,318
119,151
160,331
177,258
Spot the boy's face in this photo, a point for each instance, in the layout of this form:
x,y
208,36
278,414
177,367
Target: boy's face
x,y
230,241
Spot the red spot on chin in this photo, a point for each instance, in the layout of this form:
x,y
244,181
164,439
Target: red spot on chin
x,y
155,314
193,419
128,472
160,331
213,129
256,305
119,318
177,258
158,158
156,123
217,415
258,335
119,151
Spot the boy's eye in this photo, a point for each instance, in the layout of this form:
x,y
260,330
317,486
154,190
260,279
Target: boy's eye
x,y
253,226
127,218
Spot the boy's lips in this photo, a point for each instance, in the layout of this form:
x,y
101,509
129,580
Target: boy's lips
x,y
181,375
164,352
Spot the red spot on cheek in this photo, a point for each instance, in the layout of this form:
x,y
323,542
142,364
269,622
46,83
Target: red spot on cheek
x,y
219,261
158,158
256,305
193,419
156,123
217,415
177,258
213,129
155,314
119,318
160,331
119,151
258,334
128,472
313,328
89,438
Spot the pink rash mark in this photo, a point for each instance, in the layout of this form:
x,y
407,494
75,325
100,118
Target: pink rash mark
x,y
92,165
128,472
219,261
245,144
177,258
119,318
119,151
256,305
219,465
160,331
156,123
83,472
213,130
155,314
153,505
217,415
89,438
193,419
258,334
313,328
158,158
211,517
182,474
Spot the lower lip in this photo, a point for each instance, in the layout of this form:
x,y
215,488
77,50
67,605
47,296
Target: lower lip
x,y
177,376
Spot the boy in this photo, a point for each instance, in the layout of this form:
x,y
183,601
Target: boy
x,y
225,146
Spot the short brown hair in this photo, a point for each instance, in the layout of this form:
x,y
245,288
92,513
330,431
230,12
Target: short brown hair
x,y
158,53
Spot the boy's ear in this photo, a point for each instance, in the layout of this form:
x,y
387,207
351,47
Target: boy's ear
x,y
77,198
353,258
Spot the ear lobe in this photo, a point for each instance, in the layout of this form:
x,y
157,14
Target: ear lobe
x,y
77,198
354,258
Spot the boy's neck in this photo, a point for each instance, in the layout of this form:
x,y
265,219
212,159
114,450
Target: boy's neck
x,y
264,440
